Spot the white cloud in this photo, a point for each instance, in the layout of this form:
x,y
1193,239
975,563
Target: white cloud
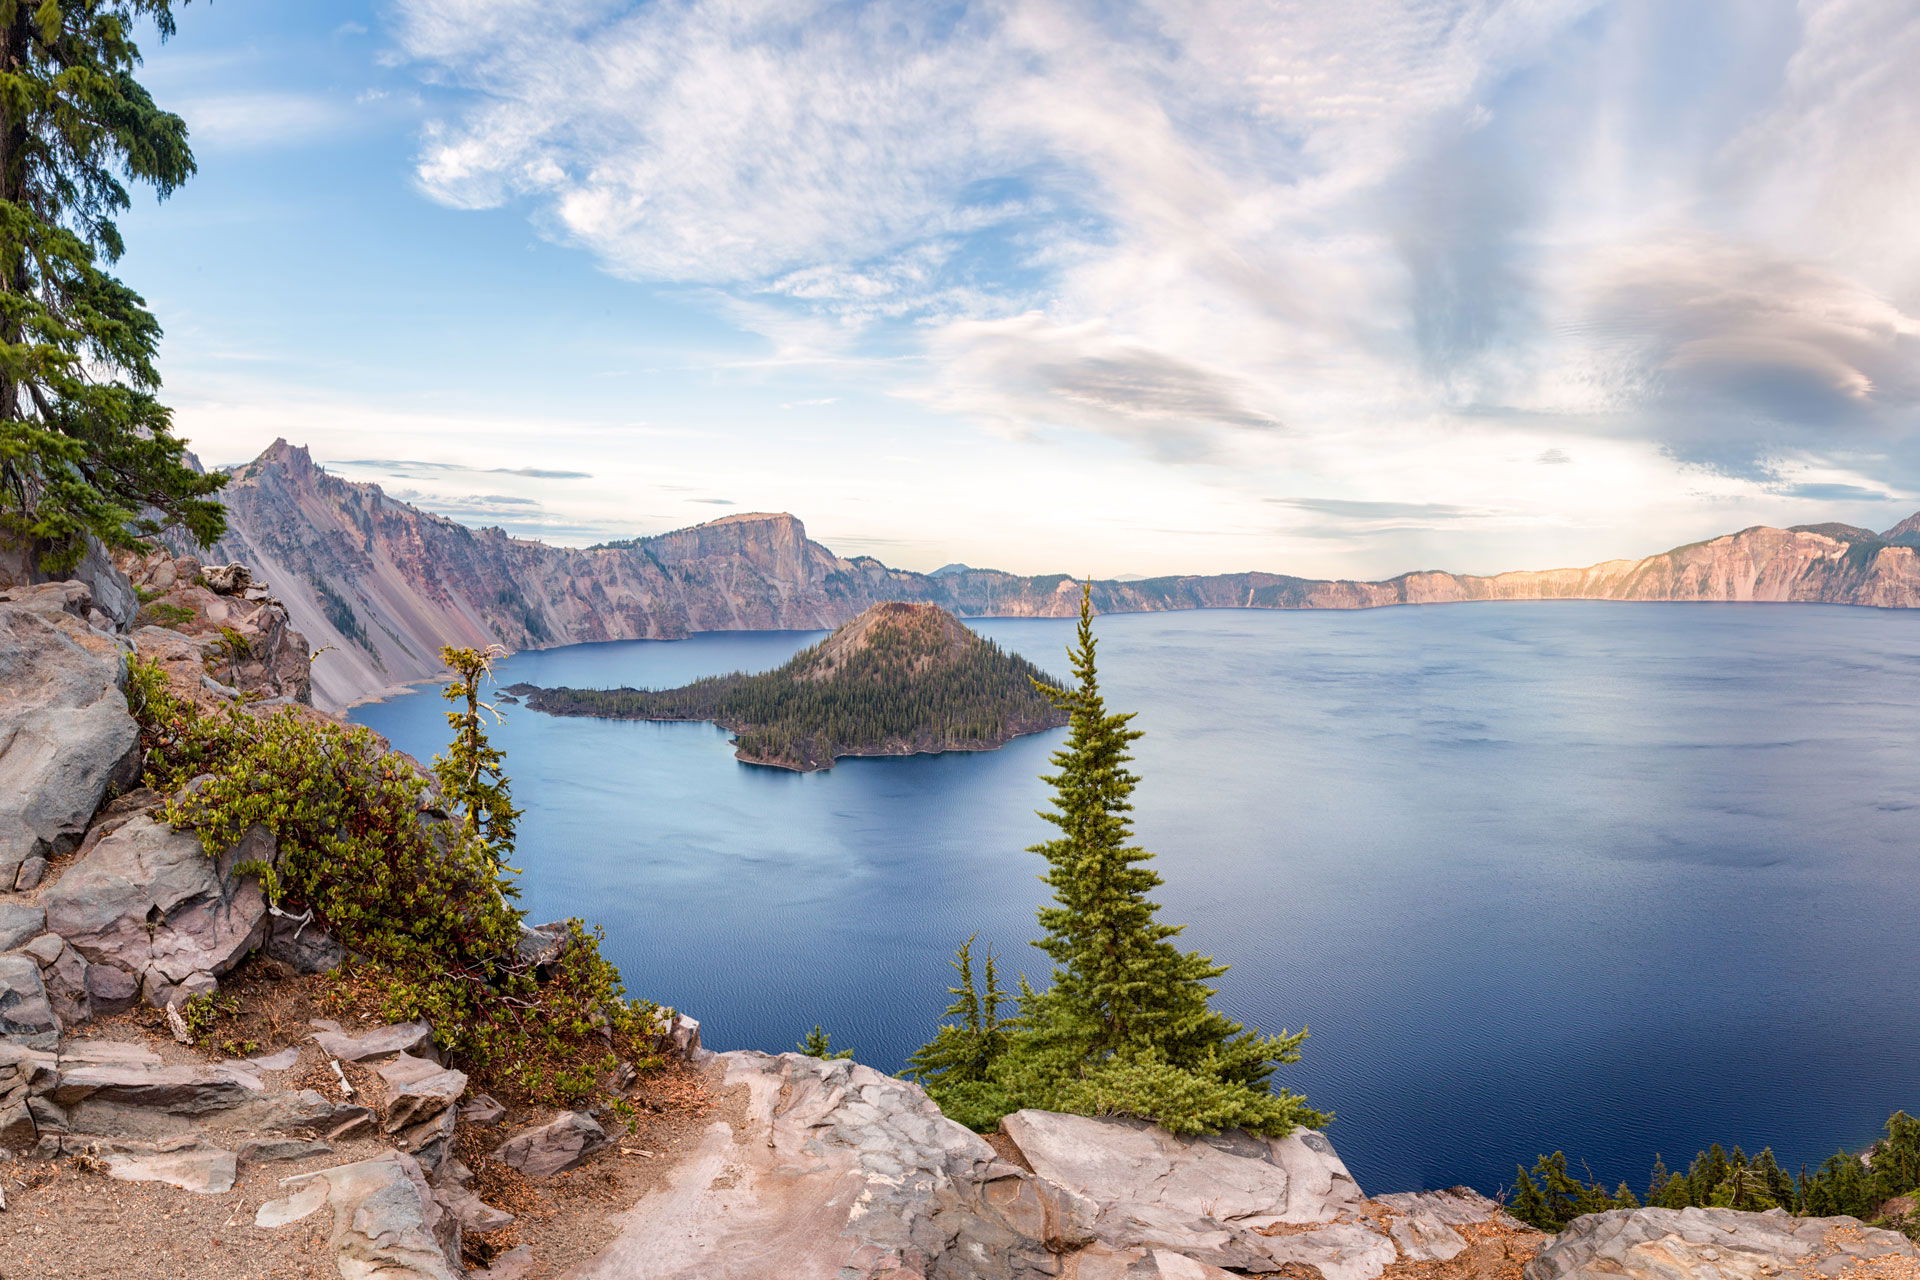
x,y
1398,251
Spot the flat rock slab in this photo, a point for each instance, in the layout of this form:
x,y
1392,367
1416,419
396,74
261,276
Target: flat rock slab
x,y
554,1147
178,1091
1713,1244
415,1038
195,1166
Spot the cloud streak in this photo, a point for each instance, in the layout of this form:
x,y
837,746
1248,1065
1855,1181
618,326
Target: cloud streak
x,y
1632,241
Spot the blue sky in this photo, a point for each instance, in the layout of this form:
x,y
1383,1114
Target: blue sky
x,y
1050,285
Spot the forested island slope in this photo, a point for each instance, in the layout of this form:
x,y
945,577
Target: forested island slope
x,y
898,680
385,584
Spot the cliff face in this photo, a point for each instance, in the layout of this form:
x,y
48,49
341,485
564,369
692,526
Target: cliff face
x,y
387,584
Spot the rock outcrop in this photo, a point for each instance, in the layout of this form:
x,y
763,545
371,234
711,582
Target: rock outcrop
x,y
832,1171
65,735
1717,1244
385,584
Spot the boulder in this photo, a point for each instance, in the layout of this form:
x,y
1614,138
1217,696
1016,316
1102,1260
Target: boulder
x,y
386,1225
414,1038
65,739
832,1172
419,1089
149,902
20,922
554,1147
26,1015
482,1111
262,1150
1714,1244
1213,1198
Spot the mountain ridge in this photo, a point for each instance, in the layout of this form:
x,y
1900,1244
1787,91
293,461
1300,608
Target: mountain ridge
x,y
385,584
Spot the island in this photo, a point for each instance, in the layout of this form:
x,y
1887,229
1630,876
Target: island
x,y
898,680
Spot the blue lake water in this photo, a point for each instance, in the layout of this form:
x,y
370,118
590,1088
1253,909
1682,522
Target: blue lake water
x,y
1612,878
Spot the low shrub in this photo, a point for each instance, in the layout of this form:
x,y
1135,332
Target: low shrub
x,y
420,901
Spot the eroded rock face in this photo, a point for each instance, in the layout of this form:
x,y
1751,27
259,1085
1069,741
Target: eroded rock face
x,y
1212,1198
65,738
1711,1244
837,1172
147,902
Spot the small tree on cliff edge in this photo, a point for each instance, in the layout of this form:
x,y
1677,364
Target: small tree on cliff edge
x,y
85,448
1126,1027
472,772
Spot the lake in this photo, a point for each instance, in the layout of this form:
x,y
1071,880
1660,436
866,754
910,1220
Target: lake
x,y
1607,878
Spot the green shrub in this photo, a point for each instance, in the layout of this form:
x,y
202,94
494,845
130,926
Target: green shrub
x,y
164,613
418,900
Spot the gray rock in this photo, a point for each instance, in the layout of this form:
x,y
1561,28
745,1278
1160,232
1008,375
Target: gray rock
x,y
303,946
65,738
1097,1262
262,1150
511,1265
173,1091
26,1015
542,944
835,1170
415,1038
419,1089
1206,1197
473,1213
282,1060
45,949
386,1224
19,923
190,1164
17,1129
227,579
482,1111
1711,1244
679,1036
307,1109
149,902
554,1147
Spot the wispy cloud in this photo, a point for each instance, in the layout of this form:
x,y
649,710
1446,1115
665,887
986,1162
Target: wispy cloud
x,y
1575,253
252,120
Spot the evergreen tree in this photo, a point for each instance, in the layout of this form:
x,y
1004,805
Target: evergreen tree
x,y
1528,1204
1623,1197
1125,1028
85,447
819,1044
1657,1179
472,772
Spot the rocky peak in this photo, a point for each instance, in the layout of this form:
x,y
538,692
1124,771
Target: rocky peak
x,y
1907,531
931,635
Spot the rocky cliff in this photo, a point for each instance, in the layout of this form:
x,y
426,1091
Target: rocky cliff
x,y
386,584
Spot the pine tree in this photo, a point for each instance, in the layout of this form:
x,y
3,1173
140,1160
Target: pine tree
x,y
1125,1028
1528,1204
472,772
819,1044
86,450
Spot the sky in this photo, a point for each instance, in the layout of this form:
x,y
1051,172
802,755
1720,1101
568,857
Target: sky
x,y
1123,287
